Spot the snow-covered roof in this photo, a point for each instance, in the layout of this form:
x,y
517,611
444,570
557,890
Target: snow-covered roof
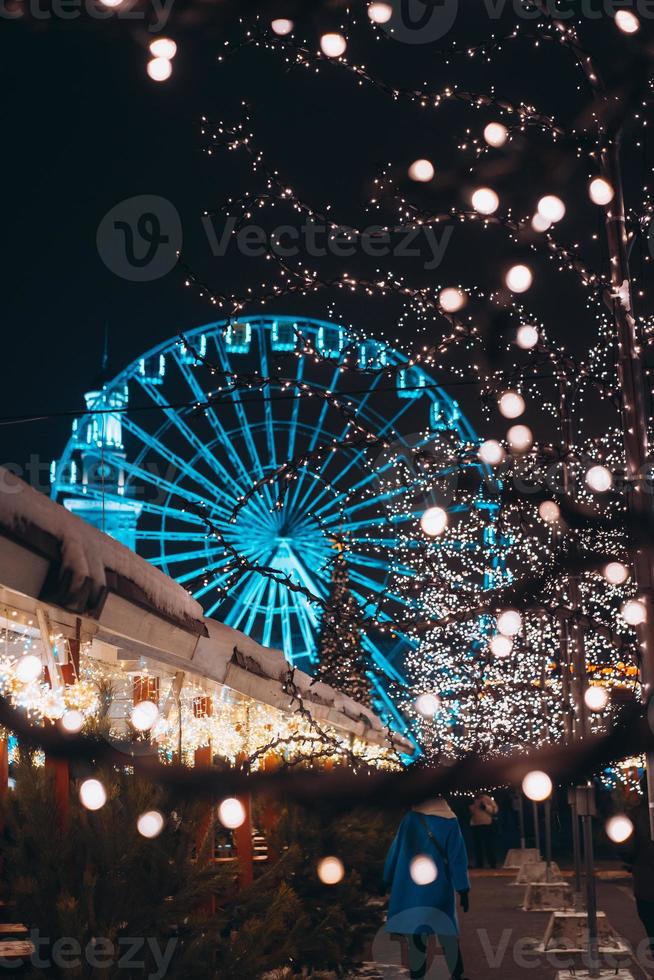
x,y
58,559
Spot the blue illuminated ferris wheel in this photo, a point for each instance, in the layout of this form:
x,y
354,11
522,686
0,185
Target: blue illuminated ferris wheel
x,y
171,438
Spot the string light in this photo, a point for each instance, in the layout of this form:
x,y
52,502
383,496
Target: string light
x,y
163,47
520,438
537,786
596,698
626,21
616,573
333,45
551,208
423,870
519,278
144,715
485,200
28,668
527,336
511,404
282,26
159,69
600,191
452,300
422,171
491,452
331,870
501,645
92,794
72,721
150,824
599,479
509,622
634,612
496,134
427,705
619,828
540,223
549,511
380,13
231,813
434,521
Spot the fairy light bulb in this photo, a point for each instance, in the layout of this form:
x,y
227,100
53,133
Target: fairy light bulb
x,y
427,705
281,26
634,612
519,278
509,622
28,668
333,45
626,21
160,69
380,13
452,299
596,698
527,336
491,452
331,870
423,870
549,511
520,438
619,828
434,521
551,208
511,404
501,646
422,171
485,201
92,794
231,813
537,786
150,824
72,721
540,223
615,573
163,47
599,479
600,191
496,134
143,715
111,3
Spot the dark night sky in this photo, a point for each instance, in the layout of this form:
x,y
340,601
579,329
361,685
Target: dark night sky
x,y
84,128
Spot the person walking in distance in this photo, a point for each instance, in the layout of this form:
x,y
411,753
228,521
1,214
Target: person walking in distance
x,y
427,865
483,813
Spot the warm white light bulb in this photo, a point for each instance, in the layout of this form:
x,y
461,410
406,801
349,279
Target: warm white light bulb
x,y
619,828
434,521
427,705
485,200
596,698
150,824
160,69
331,870
626,21
527,336
72,721
423,870
540,223
634,612
600,191
551,207
549,511
163,47
615,573
281,26
380,13
92,794
111,3
422,171
509,622
333,45
231,813
537,786
511,404
599,479
519,278
144,714
491,452
495,134
452,299
520,438
28,668
500,645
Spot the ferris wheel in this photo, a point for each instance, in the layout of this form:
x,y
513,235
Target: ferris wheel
x,y
256,428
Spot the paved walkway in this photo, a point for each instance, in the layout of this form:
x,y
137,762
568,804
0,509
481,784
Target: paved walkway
x,y
498,938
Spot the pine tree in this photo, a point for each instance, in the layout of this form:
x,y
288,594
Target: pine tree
x,y
342,660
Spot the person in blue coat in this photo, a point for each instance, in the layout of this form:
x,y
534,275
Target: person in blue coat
x,y
426,865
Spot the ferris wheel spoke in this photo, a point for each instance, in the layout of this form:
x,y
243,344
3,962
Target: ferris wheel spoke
x,y
216,582
267,405
187,432
307,621
168,536
202,570
287,633
317,432
145,506
183,466
296,410
174,558
249,588
266,637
